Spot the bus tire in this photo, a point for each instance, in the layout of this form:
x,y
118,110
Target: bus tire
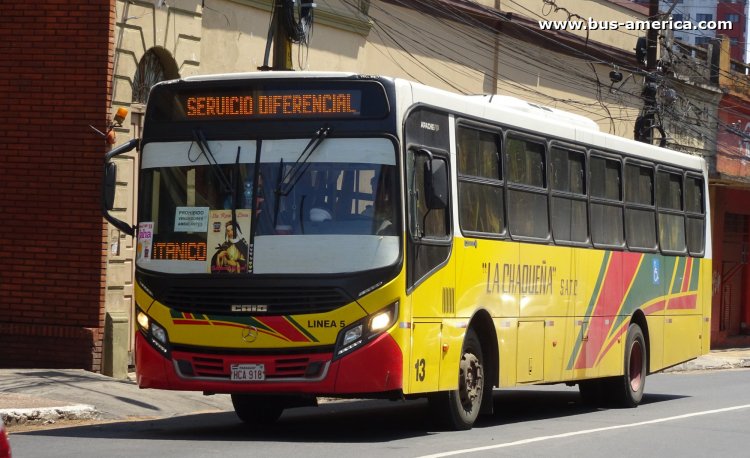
x,y
458,409
257,410
627,390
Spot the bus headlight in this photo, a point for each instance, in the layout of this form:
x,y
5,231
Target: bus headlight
x,y
159,333
352,334
154,333
381,321
142,320
358,333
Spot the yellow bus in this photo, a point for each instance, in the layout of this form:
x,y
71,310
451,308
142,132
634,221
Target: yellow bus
x,y
307,234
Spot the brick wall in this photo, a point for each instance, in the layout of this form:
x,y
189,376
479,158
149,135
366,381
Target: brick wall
x,y
55,77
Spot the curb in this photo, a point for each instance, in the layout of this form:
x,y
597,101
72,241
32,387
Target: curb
x,y
711,363
48,415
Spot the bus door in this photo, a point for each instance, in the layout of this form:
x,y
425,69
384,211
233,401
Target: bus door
x,y
430,274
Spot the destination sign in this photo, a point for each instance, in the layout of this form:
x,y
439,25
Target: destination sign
x,y
267,99
273,105
179,251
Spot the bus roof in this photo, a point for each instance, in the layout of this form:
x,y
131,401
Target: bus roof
x,y
269,75
558,124
509,111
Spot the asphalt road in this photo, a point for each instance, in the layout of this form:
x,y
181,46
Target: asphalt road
x,y
693,414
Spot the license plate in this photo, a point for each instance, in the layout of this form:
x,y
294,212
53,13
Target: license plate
x,y
248,372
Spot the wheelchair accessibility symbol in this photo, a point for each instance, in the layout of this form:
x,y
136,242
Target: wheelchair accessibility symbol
x,y
655,264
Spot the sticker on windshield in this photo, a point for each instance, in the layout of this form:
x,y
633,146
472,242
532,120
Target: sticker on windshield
x,y
191,219
227,242
145,241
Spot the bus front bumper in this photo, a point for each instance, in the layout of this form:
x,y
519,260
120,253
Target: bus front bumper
x,y
374,368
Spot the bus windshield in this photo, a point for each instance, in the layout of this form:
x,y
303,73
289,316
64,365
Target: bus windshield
x,y
334,211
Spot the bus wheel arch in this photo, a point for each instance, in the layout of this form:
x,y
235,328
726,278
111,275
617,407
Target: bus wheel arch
x,y
482,324
639,318
478,372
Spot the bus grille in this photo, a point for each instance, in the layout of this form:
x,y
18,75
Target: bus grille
x,y
276,368
255,300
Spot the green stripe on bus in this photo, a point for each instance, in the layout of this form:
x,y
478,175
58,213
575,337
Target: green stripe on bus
x,y
695,275
301,329
679,275
590,308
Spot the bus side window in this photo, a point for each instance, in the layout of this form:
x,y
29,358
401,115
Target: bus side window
x,y
605,176
527,188
427,221
569,215
640,220
481,200
671,219
696,215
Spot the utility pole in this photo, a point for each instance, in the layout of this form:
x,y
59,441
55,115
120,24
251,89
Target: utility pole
x,y
652,36
646,122
282,42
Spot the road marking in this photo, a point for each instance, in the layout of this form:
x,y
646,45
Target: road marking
x,y
585,431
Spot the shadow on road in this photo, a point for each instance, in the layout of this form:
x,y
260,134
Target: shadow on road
x,y
341,422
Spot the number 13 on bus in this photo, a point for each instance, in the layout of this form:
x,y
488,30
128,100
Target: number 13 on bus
x,y
342,235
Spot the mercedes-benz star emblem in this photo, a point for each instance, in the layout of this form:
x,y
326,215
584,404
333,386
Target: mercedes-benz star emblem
x,y
249,334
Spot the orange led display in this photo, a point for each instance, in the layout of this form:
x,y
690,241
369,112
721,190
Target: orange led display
x,y
179,251
273,105
219,106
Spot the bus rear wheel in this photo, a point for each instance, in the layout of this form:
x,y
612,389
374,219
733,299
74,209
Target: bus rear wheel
x,y
627,390
458,409
257,410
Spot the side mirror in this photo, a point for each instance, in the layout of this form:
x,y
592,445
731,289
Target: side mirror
x,y
109,183
436,184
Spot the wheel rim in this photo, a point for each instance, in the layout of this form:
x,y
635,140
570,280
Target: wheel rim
x,y
636,366
470,382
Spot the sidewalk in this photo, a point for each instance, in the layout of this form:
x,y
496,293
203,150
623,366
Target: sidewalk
x,y
44,396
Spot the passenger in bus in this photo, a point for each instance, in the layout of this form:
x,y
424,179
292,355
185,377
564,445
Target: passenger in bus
x,y
382,209
320,215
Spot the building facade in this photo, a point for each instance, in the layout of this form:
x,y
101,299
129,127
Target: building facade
x,y
55,77
731,201
735,11
707,11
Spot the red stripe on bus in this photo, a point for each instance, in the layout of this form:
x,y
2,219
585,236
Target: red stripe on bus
x,y
201,322
655,307
612,342
621,273
683,302
283,327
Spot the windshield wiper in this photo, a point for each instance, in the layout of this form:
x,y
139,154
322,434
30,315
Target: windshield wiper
x,y
300,166
200,140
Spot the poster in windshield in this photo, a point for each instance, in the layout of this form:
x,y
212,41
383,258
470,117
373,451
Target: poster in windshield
x,y
227,242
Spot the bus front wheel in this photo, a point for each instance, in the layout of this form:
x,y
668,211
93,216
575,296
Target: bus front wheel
x,y
458,409
257,410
